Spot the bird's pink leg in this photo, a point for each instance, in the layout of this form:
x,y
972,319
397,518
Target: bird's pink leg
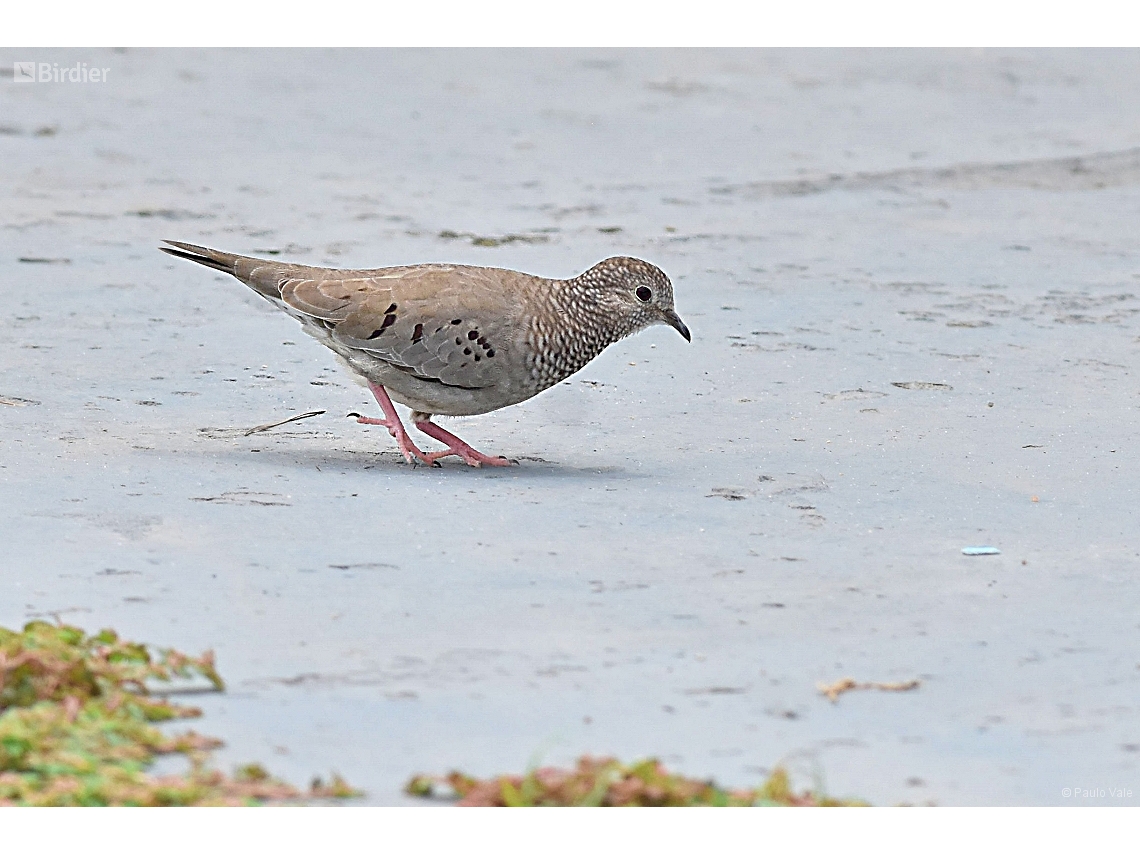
x,y
456,446
394,425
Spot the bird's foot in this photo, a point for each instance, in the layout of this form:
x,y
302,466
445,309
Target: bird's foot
x,y
395,426
457,447
368,420
407,448
469,456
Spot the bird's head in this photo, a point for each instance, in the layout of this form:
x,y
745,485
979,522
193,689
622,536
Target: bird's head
x,y
638,294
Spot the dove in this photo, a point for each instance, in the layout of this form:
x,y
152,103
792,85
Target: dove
x,y
455,340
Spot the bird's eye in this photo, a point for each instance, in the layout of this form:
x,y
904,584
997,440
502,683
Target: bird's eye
x,y
644,294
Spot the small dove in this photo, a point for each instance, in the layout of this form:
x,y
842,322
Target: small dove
x,y
456,340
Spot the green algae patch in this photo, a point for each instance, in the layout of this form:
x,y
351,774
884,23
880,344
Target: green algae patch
x,y
78,716
606,782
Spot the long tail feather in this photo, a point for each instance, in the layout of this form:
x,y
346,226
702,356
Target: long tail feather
x,y
223,261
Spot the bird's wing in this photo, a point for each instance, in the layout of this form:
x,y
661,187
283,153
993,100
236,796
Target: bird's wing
x,y
439,323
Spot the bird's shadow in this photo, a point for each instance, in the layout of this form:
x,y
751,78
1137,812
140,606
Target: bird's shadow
x,y
279,451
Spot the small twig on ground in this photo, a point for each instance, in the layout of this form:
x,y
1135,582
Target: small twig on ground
x,y
260,428
834,690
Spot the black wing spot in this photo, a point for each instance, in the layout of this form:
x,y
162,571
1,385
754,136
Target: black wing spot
x,y
476,357
390,309
490,352
388,321
458,340
418,333
457,321
474,334
466,351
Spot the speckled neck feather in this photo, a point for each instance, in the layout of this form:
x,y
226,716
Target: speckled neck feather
x,y
585,315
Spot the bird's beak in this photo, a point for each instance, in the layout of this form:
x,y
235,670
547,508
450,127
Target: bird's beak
x,y
674,320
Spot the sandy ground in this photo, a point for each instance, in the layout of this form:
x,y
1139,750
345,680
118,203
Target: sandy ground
x,y
913,285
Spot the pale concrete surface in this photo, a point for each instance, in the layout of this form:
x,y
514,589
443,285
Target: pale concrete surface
x,y
697,534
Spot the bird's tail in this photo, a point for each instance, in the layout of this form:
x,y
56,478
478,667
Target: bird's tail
x,y
223,261
262,276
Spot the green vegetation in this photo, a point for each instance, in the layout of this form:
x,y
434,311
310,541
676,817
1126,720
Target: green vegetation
x,y
606,782
77,726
